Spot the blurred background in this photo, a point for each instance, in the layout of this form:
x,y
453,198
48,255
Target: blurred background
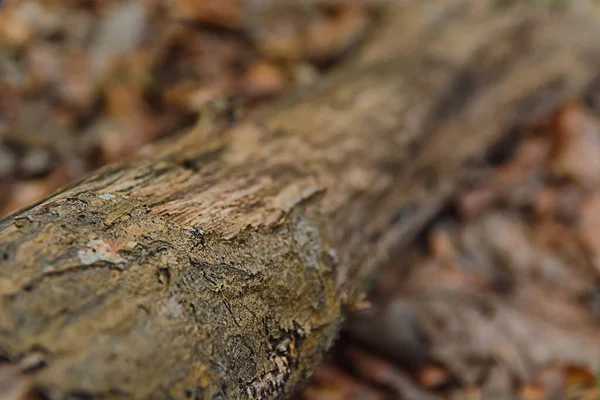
x,y
85,83
498,298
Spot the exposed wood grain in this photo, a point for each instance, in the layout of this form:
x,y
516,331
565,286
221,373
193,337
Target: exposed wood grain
x,y
220,266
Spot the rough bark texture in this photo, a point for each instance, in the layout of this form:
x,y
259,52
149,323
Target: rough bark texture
x,y
219,266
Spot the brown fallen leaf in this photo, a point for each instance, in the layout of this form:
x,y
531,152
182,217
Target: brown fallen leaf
x,y
576,144
226,13
433,376
263,79
335,33
385,374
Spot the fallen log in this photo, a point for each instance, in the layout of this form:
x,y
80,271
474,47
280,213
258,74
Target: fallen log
x,y
221,265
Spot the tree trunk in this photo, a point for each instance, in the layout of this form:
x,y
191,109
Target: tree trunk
x,y
220,266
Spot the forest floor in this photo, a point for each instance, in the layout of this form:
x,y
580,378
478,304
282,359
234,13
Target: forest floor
x,y
498,298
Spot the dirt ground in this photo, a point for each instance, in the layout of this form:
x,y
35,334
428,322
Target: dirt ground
x,y
499,298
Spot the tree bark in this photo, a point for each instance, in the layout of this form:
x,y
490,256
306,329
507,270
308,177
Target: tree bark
x,y
220,266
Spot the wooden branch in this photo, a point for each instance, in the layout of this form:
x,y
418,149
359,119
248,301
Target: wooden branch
x,y
221,267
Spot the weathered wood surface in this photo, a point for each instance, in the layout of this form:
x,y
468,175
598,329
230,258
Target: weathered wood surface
x,y
220,266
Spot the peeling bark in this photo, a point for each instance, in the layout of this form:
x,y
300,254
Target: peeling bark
x,y
220,266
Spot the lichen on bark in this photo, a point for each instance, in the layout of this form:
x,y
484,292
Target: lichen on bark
x,y
220,266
